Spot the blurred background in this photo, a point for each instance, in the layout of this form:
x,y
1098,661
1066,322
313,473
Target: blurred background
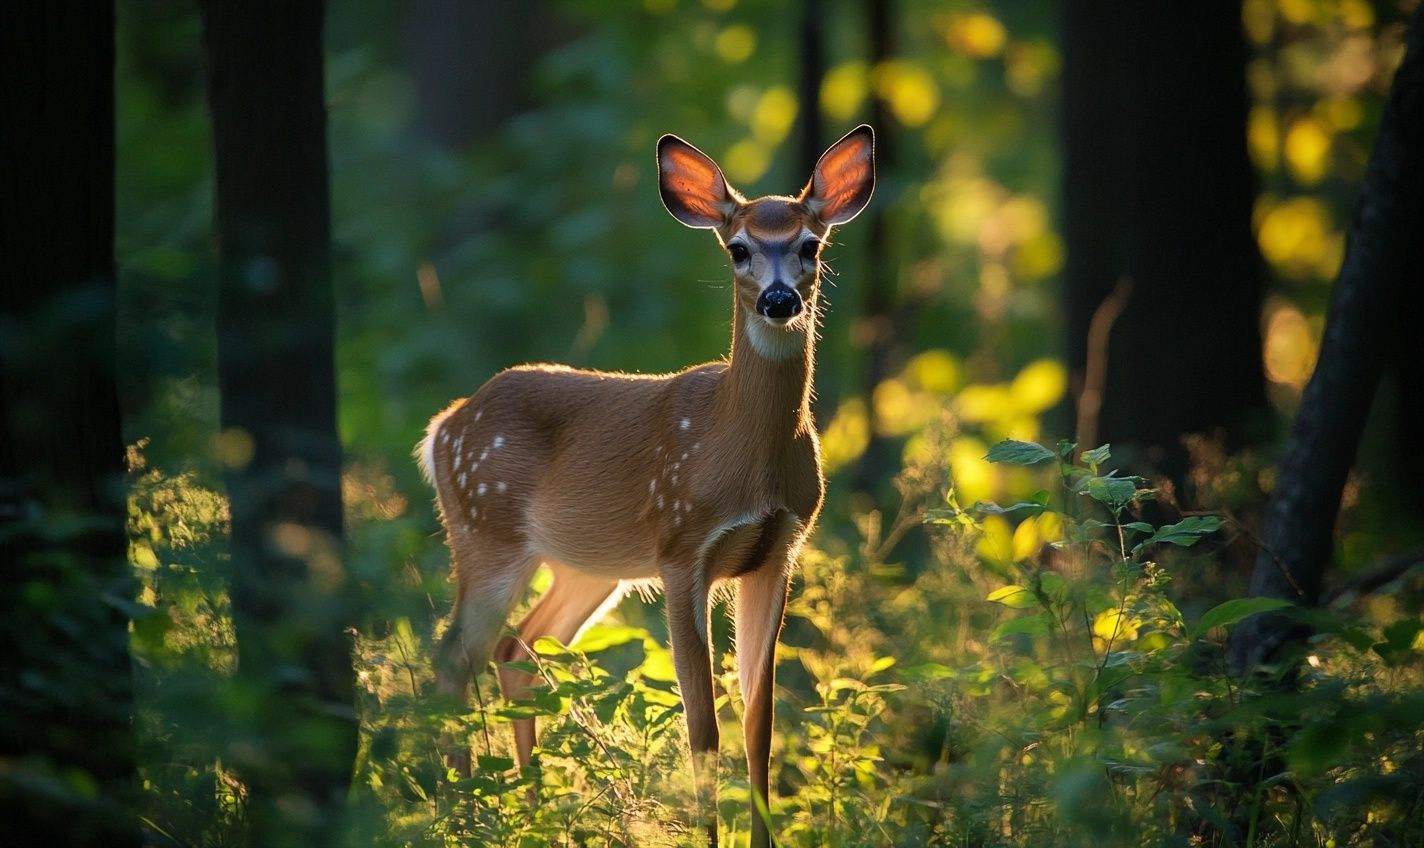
x,y
1090,223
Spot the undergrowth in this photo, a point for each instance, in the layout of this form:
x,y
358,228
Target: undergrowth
x,y
1024,676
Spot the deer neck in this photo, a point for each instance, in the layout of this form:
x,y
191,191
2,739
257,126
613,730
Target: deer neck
x,y
767,388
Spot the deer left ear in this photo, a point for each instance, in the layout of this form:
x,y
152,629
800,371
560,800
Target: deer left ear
x,y
844,177
692,186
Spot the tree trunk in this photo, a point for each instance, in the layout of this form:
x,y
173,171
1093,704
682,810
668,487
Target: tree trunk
x,y
1158,191
277,380
1383,256
812,55
877,321
66,689
473,64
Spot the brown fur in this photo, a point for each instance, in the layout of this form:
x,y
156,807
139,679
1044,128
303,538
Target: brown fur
x,y
709,474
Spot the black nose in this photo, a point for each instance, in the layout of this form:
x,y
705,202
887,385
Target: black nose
x,y
779,301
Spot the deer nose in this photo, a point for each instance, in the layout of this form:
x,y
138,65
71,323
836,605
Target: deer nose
x,y
779,301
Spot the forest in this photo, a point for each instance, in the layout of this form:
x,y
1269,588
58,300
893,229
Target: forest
x,y
1116,381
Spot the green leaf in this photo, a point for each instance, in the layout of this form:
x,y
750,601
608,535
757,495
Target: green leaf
x,y
602,636
1013,597
881,664
1019,453
1065,449
489,763
1186,532
1029,625
928,671
1097,456
1236,609
986,508
1112,492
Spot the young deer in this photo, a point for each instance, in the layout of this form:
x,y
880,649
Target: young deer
x,y
709,474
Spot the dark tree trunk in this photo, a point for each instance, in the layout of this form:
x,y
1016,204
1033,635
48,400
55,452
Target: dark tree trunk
x,y
473,64
66,691
812,52
1383,257
277,380
1158,191
877,318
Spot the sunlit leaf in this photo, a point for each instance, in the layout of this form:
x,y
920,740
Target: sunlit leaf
x,y
1185,533
1019,453
1235,610
1013,597
1097,456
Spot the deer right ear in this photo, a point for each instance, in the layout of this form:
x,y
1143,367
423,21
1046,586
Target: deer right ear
x,y
692,186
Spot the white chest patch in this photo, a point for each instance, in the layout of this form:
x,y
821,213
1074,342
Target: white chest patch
x,y
775,343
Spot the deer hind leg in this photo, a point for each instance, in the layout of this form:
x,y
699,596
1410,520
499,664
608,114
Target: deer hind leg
x,y
761,605
491,577
572,601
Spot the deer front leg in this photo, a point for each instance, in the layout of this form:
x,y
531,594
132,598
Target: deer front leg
x,y
687,625
761,604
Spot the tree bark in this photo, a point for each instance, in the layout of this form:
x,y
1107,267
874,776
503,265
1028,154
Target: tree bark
x,y
1384,254
877,321
812,56
66,688
276,374
1158,190
474,63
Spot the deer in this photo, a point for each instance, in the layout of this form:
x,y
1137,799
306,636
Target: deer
x,y
707,475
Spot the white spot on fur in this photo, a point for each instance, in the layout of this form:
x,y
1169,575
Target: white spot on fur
x,y
684,455
457,462
677,520
652,485
474,513
685,423
484,455
462,479
696,445
478,413
660,501
481,489
499,441
444,438
501,486
676,506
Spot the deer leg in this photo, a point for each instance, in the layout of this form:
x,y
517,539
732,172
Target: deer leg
x,y
692,659
761,604
571,602
490,578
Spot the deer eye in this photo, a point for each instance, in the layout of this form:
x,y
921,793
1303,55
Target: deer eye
x,y
809,248
739,253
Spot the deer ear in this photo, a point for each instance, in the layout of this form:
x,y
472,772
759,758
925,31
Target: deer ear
x,y
692,186
844,177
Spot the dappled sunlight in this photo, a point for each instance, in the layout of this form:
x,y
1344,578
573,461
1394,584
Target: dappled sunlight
x,y
1291,345
1298,237
977,35
846,437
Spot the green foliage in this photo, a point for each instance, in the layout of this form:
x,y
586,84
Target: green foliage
x,y
1100,712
